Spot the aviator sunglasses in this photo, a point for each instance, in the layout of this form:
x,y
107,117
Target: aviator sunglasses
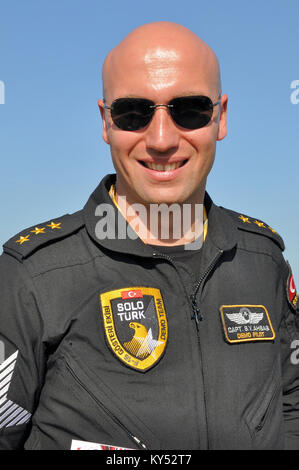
x,y
190,112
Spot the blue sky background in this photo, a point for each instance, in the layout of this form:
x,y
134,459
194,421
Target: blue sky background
x,y
52,154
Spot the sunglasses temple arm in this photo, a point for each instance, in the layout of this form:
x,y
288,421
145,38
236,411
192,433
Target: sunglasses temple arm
x,y
218,102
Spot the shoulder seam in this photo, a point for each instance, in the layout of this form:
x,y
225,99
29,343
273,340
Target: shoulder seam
x,y
53,268
261,253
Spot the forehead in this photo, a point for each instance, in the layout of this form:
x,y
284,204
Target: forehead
x,y
160,72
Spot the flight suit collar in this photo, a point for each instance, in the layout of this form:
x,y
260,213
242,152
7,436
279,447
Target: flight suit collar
x,y
111,220
222,231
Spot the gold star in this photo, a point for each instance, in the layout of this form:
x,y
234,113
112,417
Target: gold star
x,y
272,230
260,224
23,240
53,225
245,219
38,230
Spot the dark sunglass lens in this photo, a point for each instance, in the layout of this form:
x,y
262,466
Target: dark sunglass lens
x,y
192,112
131,114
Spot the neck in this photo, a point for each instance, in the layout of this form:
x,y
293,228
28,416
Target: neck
x,y
163,224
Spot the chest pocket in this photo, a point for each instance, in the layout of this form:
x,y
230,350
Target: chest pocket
x,y
76,404
265,418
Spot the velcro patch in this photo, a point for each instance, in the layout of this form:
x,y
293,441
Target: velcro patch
x,y
135,325
242,323
292,295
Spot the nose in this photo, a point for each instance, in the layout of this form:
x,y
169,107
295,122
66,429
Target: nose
x,y
162,135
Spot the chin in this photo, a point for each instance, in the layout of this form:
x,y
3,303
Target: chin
x,y
164,199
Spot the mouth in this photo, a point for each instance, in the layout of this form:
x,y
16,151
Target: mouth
x,y
163,167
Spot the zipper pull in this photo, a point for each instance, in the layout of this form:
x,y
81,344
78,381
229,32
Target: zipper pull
x,y
196,311
143,446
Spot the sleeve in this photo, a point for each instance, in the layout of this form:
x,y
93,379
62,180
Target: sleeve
x,y
21,353
290,360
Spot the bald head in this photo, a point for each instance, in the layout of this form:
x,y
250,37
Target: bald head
x,y
156,53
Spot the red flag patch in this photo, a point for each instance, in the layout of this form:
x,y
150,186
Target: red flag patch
x,y
131,294
291,290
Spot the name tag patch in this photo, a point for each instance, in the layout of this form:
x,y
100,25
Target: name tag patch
x,y
135,325
242,323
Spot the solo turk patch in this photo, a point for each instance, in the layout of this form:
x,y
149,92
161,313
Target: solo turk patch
x,y
135,325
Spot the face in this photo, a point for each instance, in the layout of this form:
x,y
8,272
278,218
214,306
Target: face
x,y
163,163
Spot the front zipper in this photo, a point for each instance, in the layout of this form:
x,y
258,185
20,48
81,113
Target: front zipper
x,y
197,316
107,411
192,298
195,309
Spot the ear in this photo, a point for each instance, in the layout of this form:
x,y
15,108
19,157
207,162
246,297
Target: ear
x,y
222,130
104,121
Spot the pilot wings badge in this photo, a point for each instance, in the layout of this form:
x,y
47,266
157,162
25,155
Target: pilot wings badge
x,y
242,323
135,325
245,316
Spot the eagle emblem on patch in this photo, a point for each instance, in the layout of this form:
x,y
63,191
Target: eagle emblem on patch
x,y
242,323
135,325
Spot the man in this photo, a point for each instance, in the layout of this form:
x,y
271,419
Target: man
x,y
140,342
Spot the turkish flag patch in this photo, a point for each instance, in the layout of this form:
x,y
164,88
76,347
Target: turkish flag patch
x,y
131,294
292,295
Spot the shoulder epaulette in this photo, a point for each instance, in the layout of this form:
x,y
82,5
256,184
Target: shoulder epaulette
x,y
28,241
250,224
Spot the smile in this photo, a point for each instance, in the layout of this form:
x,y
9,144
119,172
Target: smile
x,y
163,167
